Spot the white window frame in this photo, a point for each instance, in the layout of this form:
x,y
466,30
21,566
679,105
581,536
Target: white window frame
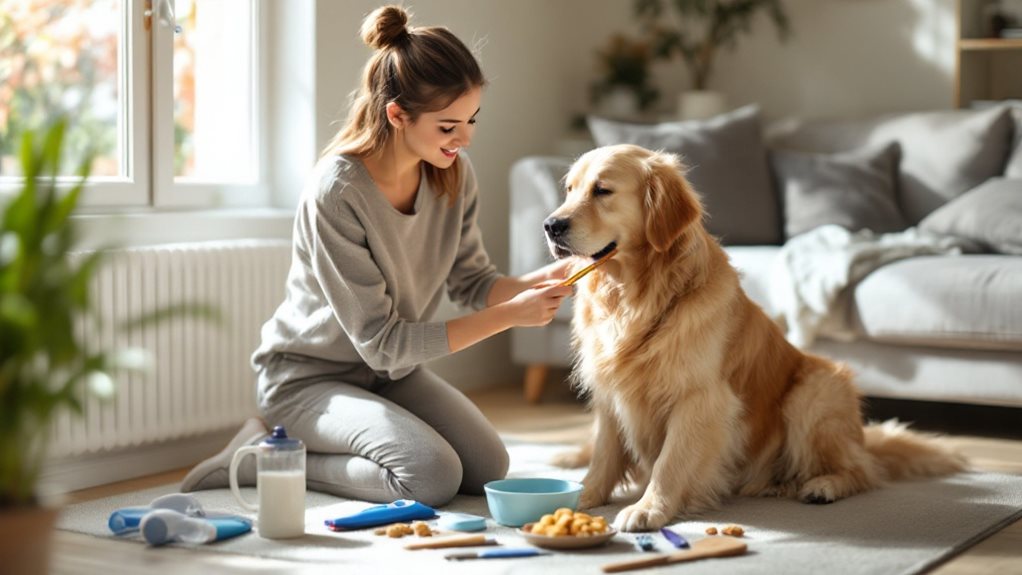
x,y
145,123
168,193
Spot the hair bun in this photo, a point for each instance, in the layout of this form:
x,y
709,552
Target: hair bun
x,y
385,26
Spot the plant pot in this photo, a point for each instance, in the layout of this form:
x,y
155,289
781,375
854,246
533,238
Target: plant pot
x,y
619,104
700,104
25,536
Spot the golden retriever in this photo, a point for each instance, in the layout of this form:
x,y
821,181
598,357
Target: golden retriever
x,y
696,393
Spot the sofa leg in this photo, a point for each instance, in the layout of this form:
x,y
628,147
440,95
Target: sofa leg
x,y
535,379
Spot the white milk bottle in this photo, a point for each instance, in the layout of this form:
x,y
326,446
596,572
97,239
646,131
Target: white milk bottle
x,y
280,479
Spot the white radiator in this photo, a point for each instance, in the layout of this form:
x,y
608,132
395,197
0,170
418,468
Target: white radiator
x,y
201,381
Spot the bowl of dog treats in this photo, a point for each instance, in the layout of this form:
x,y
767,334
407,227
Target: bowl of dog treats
x,y
567,529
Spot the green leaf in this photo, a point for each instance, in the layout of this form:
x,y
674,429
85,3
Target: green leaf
x,y
17,312
52,147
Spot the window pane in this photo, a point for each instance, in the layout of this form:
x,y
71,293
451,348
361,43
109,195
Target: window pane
x,y
214,135
61,56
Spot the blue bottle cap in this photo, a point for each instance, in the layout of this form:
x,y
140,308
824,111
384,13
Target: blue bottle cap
x,y
278,439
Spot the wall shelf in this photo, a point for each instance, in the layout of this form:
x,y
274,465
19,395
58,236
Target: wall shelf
x,y
986,68
990,44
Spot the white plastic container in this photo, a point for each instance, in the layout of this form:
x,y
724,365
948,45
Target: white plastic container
x,y
280,479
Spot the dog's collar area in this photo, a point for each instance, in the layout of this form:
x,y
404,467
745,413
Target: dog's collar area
x,y
609,248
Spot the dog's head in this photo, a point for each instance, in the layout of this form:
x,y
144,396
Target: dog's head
x,y
622,196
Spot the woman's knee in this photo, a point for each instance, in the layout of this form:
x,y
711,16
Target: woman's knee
x,y
488,465
433,477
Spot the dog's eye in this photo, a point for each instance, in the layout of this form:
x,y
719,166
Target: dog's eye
x,y
601,191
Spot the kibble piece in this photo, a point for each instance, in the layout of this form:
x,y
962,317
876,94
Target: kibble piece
x,y
711,530
398,530
421,529
734,530
380,531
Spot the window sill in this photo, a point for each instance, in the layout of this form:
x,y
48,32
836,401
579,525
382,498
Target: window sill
x,y
158,227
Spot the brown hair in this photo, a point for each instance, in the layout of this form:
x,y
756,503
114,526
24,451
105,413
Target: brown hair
x,y
421,70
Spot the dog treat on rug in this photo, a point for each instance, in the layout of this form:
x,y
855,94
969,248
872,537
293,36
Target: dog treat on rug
x,y
585,271
421,529
711,530
733,530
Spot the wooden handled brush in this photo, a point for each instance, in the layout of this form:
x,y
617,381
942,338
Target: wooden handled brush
x,y
584,271
707,547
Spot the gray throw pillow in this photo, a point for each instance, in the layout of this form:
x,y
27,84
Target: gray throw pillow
x,y
990,214
727,166
1014,167
854,190
943,153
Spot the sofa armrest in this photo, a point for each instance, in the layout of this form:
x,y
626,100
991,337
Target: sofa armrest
x,y
536,191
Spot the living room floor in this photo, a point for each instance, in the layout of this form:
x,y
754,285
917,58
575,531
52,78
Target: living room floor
x,y
559,418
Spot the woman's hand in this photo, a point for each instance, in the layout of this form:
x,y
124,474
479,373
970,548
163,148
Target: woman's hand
x,y
559,269
530,307
537,305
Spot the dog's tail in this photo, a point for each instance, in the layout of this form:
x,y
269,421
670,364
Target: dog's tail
x,y
904,454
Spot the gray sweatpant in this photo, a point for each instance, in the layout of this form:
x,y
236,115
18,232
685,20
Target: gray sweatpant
x,y
380,440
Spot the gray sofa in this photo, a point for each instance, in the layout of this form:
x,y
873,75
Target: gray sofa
x,y
944,328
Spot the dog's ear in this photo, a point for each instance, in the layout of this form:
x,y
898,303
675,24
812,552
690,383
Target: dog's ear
x,y
671,204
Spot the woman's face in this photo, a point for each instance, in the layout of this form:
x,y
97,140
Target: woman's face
x,y
436,137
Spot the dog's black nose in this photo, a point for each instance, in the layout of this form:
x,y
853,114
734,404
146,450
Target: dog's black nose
x,y
555,227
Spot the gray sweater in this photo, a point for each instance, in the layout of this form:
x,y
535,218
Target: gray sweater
x,y
366,279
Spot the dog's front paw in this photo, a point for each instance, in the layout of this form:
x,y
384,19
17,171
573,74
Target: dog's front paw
x,y
819,490
638,517
590,498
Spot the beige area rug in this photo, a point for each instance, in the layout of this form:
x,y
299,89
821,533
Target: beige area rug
x,y
905,528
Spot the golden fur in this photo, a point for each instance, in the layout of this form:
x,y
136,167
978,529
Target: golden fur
x,y
697,394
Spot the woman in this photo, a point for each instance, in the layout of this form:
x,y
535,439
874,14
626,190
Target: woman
x,y
386,223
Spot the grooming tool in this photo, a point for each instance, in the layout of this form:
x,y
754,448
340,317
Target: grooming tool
x,y
400,510
456,541
162,526
675,539
127,519
701,549
496,554
461,522
644,542
584,271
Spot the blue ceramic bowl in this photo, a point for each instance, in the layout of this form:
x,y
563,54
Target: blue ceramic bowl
x,y
515,502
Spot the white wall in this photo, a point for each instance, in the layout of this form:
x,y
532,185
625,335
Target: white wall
x,y
846,57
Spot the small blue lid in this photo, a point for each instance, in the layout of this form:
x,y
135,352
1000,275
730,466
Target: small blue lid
x,y
278,439
461,522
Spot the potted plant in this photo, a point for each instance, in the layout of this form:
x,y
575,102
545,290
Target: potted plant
x,y
702,28
624,90
44,365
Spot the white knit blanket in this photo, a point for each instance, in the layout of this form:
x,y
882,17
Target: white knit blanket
x,y
811,275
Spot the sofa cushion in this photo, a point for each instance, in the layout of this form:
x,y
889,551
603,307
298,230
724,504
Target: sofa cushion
x,y
727,165
854,189
967,301
1014,167
990,214
754,265
943,153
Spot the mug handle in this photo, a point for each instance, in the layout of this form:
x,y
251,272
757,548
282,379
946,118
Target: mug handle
x,y
235,461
